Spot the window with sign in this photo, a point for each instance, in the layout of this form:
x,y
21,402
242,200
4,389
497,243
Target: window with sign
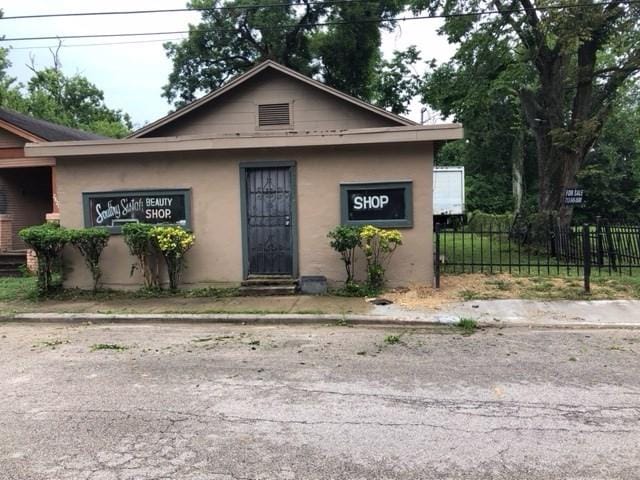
x,y
114,209
387,204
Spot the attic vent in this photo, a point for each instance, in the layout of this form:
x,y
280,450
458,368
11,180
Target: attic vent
x,y
273,114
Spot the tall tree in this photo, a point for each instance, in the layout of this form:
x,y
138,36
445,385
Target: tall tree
x,y
611,177
67,100
233,36
349,48
579,56
337,42
478,87
73,101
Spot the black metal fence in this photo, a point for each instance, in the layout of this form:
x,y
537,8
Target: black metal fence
x,y
582,250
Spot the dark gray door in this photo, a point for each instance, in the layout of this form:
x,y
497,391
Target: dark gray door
x,y
269,225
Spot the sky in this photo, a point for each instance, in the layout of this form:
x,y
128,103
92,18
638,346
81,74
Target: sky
x,y
132,74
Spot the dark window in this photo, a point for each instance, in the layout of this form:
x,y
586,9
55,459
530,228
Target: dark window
x,y
385,204
273,114
114,209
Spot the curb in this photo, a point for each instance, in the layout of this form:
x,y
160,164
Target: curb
x,y
295,319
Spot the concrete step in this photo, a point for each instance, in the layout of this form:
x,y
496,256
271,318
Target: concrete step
x,y
12,264
267,290
268,281
11,258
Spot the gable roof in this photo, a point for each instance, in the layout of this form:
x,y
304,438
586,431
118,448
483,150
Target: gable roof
x,y
240,79
34,129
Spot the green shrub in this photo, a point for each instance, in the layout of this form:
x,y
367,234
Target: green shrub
x,y
378,245
91,242
172,242
47,241
141,245
344,240
478,221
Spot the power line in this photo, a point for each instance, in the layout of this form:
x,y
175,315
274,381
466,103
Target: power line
x,y
326,23
176,10
99,44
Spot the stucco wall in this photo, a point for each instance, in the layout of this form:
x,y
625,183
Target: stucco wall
x,y
216,209
236,111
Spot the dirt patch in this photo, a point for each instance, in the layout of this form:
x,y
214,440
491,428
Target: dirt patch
x,y
456,288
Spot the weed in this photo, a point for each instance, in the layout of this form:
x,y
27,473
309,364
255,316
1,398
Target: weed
x,y
356,290
573,359
468,295
503,285
254,342
392,339
343,323
108,346
469,325
51,343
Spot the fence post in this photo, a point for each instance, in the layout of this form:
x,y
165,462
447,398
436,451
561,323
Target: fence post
x,y
436,260
600,251
586,255
610,246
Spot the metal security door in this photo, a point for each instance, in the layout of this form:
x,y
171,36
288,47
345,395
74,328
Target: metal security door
x,y
269,221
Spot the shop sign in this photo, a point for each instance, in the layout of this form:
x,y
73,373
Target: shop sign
x,y
382,204
573,196
114,209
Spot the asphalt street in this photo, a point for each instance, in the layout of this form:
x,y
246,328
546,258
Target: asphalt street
x,y
317,402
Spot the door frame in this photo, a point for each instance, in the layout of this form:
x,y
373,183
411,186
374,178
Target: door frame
x,y
244,166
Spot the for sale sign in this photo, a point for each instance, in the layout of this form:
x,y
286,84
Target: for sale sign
x,y
573,196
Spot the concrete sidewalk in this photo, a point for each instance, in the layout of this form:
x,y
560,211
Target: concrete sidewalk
x,y
534,313
488,313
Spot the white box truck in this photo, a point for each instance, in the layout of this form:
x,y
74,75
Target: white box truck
x,y
448,191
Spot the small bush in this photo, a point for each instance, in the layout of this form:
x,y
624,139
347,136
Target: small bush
x,y
378,245
47,241
91,242
138,238
344,240
478,221
173,243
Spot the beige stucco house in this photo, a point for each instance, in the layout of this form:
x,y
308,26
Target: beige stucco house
x,y
260,170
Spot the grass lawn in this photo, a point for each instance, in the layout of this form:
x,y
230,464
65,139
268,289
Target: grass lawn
x,y
462,252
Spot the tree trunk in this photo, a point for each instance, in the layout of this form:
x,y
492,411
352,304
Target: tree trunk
x,y
517,171
557,170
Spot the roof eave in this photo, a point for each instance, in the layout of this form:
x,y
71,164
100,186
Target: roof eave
x,y
20,132
385,135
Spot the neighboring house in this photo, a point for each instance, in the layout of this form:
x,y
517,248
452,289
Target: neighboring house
x,y
261,170
27,185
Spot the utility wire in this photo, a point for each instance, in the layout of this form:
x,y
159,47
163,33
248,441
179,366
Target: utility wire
x,y
176,10
247,7
100,44
326,23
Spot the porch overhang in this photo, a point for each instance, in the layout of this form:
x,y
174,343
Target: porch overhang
x,y
22,162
